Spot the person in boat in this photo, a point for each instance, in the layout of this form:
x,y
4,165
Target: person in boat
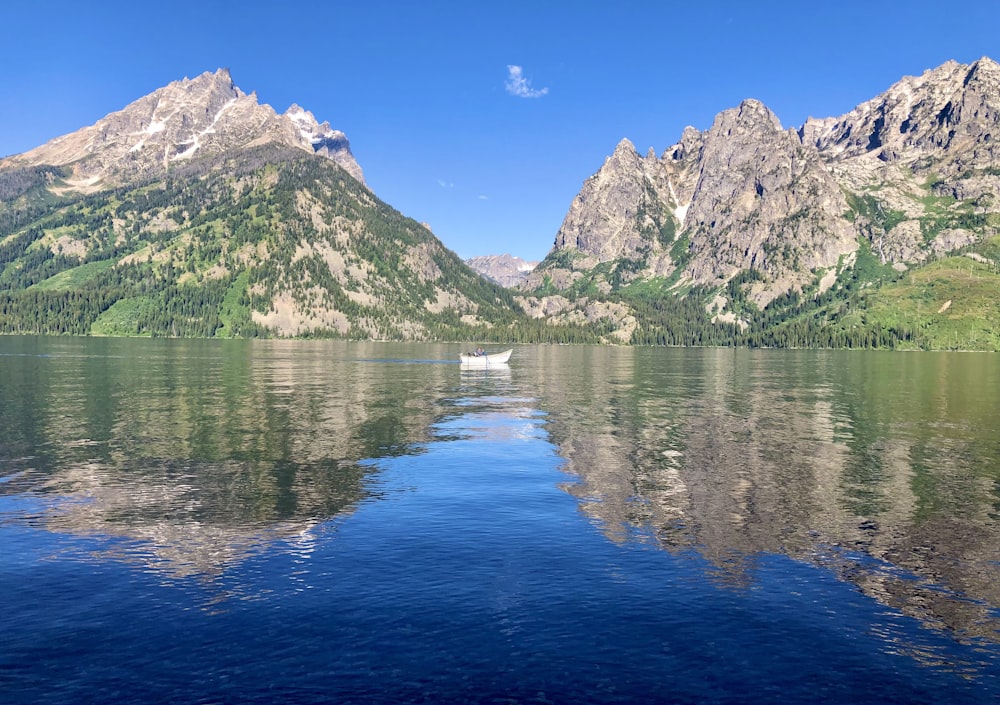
x,y
479,351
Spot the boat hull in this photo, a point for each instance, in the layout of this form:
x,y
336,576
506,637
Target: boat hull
x,y
484,361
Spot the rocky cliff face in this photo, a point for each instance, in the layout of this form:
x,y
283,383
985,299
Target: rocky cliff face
x,y
910,174
946,119
925,157
764,202
629,211
182,121
618,212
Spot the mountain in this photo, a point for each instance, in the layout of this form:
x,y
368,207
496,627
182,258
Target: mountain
x,y
196,210
183,121
763,227
506,270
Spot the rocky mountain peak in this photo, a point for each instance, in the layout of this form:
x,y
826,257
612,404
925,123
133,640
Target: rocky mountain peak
x,y
624,157
750,117
904,173
943,120
506,270
984,69
184,120
219,82
754,177
324,140
606,219
689,145
624,148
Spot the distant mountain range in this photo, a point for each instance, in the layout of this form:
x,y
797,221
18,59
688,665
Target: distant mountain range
x,y
506,270
196,210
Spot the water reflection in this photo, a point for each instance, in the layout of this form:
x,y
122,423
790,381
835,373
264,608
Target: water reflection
x,y
881,467
192,456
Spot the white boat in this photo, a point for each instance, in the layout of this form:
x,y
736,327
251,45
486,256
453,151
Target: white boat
x,y
484,361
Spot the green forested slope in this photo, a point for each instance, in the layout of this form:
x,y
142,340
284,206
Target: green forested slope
x,y
273,242
233,247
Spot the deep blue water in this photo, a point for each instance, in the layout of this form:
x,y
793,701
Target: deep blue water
x,y
300,523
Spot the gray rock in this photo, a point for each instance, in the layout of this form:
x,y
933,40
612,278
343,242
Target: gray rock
x,y
182,121
764,201
900,171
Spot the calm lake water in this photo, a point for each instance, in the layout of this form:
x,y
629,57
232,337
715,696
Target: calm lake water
x,y
306,522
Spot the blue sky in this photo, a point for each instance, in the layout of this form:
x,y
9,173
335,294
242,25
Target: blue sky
x,y
490,157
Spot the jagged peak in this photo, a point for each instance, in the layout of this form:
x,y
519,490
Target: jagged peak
x,y
755,109
983,67
304,119
986,62
749,113
625,153
689,143
220,77
949,71
948,65
916,111
690,133
297,111
190,117
625,145
301,117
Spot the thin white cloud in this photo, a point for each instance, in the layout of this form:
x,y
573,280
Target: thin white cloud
x,y
520,86
445,184
484,198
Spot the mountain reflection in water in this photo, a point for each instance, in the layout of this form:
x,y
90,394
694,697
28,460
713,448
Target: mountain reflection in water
x,y
368,522
201,456
884,468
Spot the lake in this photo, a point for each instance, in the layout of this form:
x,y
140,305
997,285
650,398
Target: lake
x,y
187,521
